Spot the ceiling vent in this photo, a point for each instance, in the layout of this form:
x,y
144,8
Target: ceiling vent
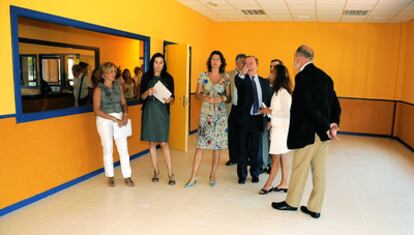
x,y
356,12
253,12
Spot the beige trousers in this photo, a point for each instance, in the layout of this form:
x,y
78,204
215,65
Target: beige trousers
x,y
312,156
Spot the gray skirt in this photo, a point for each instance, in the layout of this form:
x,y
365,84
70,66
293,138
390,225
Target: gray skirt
x,y
155,122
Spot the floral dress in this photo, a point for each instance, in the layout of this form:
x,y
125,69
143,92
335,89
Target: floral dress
x,y
212,131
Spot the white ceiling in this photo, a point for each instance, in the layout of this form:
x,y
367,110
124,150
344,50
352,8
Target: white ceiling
x,y
380,11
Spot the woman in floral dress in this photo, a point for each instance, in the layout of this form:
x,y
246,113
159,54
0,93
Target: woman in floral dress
x,y
213,89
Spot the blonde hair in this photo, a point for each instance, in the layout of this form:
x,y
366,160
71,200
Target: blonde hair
x,y
105,67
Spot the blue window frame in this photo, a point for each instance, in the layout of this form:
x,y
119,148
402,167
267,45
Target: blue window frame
x,y
15,13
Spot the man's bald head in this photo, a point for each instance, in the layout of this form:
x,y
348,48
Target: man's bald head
x,y
306,52
303,55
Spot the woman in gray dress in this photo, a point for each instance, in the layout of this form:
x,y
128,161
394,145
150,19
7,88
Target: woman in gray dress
x,y
155,123
213,89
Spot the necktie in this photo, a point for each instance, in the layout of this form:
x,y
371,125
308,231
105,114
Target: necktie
x,y
255,96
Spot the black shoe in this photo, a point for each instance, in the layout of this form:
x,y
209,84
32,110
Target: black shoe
x,y
276,189
283,206
229,163
262,171
255,180
305,210
242,181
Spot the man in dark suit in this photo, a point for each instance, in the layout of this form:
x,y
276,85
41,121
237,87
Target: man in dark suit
x,y
314,119
253,92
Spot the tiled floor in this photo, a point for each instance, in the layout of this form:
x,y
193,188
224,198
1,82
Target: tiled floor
x,y
370,191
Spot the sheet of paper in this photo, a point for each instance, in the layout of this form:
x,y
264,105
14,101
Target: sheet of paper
x,y
161,92
123,131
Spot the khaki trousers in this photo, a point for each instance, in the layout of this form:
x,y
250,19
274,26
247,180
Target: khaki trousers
x,y
312,156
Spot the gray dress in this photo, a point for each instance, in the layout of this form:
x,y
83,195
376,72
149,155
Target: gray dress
x,y
155,124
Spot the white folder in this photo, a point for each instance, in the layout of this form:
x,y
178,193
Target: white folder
x,y
161,92
123,131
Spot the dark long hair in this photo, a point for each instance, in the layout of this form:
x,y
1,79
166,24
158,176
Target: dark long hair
x,y
126,75
282,78
223,61
151,65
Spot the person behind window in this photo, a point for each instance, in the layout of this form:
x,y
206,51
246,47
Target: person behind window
x,y
110,108
130,88
76,71
44,87
80,84
137,78
213,89
155,123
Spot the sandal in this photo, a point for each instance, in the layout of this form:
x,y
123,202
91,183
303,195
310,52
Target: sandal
x,y
264,191
156,177
171,180
277,189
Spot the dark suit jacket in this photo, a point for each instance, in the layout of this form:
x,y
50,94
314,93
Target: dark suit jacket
x,y
314,107
245,99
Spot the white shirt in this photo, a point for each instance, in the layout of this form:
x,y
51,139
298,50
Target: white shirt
x,y
303,67
234,90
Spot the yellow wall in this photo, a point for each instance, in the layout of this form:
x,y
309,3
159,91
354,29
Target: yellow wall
x,y
26,166
404,126
361,58
407,88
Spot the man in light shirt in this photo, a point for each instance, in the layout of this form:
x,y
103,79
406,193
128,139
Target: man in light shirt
x,y
232,112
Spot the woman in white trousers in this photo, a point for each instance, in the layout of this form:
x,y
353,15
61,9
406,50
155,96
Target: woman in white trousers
x,y
111,109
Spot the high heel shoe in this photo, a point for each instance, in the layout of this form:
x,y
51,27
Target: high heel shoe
x,y
171,180
264,191
156,177
277,189
212,183
190,183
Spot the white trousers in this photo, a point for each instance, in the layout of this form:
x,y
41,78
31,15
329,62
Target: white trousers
x,y
106,132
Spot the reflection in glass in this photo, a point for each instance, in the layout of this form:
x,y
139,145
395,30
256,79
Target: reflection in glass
x,y
28,68
49,51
